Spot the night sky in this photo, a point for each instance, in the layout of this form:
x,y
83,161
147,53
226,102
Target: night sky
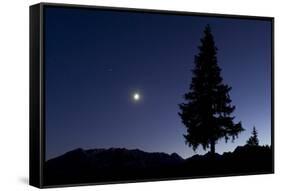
x,y
96,60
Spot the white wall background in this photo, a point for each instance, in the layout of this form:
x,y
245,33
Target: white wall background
x,y
14,92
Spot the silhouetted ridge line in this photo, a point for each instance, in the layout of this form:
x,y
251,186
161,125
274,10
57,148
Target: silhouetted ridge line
x,y
120,164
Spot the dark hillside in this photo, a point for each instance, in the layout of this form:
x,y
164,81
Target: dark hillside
x,y
115,164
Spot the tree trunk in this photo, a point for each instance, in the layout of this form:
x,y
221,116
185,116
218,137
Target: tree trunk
x,y
213,150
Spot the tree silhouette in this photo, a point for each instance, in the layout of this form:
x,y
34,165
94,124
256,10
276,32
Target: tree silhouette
x,y
207,111
253,140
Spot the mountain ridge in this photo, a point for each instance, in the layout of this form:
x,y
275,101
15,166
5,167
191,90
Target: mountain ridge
x,y
121,164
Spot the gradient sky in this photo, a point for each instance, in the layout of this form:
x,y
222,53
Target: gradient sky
x,y
95,60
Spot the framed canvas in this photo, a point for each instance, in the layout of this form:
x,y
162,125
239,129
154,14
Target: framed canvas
x,y
123,95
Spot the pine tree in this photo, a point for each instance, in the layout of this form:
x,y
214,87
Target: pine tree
x,y
207,111
253,140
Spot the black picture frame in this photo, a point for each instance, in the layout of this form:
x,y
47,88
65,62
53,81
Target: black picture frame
x,y
37,88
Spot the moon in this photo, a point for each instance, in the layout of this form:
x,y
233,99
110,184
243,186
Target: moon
x,y
136,96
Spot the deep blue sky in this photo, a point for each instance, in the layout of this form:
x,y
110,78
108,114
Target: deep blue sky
x,y
95,60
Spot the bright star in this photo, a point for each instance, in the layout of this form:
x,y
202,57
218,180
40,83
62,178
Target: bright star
x,y
136,96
